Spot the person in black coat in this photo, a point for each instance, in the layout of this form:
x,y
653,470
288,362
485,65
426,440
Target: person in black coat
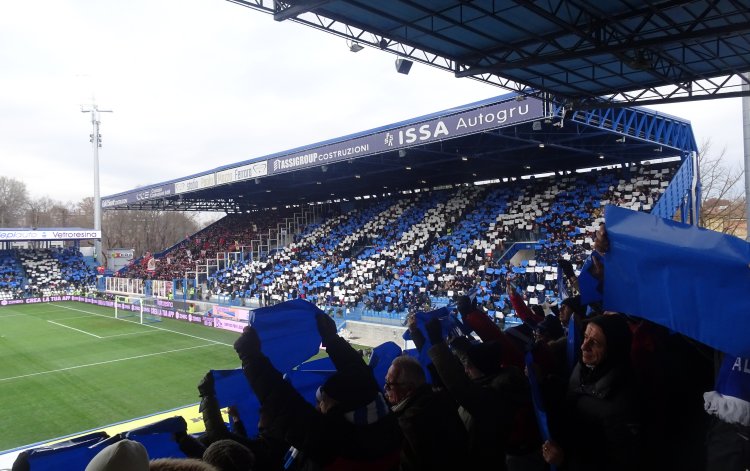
x,y
352,427
434,435
601,425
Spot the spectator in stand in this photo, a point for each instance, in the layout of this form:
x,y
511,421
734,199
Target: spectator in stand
x,y
122,455
728,406
352,427
428,419
494,404
601,425
488,331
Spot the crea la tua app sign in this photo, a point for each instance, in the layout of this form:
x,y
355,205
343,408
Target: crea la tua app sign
x,y
50,234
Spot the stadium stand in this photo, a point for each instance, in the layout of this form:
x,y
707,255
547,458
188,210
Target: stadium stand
x,y
12,277
44,272
402,255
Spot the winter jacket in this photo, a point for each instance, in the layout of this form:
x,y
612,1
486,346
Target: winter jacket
x,y
496,410
330,440
603,429
434,436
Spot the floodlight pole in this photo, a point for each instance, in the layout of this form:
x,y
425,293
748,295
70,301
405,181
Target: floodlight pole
x,y
96,143
746,147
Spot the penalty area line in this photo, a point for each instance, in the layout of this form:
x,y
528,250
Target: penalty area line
x,y
73,328
147,325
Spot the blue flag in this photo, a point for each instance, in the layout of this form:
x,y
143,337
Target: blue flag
x,y
288,332
688,279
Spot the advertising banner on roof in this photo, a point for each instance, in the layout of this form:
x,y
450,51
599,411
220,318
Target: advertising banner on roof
x,y
140,194
245,172
50,234
194,184
489,117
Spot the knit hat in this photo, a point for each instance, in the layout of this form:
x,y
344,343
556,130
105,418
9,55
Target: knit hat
x,y
465,305
351,391
551,327
574,303
538,310
487,357
229,455
180,464
618,335
125,455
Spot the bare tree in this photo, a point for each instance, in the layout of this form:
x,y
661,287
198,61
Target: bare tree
x,y
13,199
62,214
722,192
146,231
39,212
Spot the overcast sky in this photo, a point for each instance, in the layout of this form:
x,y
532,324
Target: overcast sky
x,y
195,84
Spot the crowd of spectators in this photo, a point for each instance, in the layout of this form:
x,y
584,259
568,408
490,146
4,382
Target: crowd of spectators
x,y
577,389
44,272
399,254
234,233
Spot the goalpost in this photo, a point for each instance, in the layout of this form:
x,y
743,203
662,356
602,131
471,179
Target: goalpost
x,y
135,307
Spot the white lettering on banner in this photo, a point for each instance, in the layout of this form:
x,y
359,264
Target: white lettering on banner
x,y
108,203
197,183
153,193
500,117
739,366
49,235
315,157
422,133
257,169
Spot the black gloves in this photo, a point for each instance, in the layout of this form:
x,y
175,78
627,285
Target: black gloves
x,y
248,345
434,331
326,328
206,386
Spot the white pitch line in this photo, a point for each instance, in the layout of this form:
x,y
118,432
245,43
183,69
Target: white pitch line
x,y
123,335
77,317
73,328
13,315
103,363
146,325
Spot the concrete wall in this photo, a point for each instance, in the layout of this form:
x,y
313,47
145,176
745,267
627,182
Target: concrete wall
x,y
372,335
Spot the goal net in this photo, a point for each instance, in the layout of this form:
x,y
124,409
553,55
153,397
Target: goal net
x,y
136,308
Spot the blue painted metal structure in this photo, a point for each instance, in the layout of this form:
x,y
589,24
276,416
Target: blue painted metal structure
x,y
616,51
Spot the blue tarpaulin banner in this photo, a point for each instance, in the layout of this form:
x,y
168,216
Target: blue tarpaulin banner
x,y
288,332
691,280
450,327
381,359
232,389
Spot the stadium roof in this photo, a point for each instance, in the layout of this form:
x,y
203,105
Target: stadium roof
x,y
581,53
504,137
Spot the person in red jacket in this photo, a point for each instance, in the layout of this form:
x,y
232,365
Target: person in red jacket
x,y
478,321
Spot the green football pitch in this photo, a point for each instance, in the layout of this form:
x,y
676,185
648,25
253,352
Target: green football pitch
x,y
72,367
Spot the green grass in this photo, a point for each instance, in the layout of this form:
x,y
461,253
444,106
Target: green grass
x,y
71,367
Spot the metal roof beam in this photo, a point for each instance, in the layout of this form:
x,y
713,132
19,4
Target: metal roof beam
x,y
284,11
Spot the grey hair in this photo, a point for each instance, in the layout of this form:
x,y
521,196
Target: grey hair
x,y
410,371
